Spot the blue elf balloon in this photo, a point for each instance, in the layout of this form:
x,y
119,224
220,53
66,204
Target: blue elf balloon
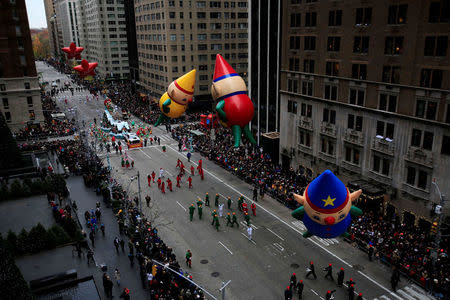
x,y
326,207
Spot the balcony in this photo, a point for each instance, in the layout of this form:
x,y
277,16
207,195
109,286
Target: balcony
x,y
383,145
305,123
419,156
327,157
304,149
354,137
415,191
351,167
328,129
383,179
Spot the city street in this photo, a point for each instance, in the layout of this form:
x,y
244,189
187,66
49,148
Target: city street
x,y
258,269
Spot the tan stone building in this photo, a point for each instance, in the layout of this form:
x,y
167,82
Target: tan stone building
x,y
174,37
365,91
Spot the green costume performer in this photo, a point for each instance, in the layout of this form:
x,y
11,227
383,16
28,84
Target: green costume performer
x,y
199,202
200,212
216,222
216,200
240,201
213,214
229,202
191,211
247,219
207,200
234,220
229,220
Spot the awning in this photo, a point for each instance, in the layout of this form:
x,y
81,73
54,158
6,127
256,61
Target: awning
x,y
58,116
368,189
197,132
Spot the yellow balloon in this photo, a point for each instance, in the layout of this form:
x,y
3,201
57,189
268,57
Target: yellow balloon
x,y
176,110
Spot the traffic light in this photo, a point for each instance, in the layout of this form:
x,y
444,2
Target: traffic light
x,y
434,227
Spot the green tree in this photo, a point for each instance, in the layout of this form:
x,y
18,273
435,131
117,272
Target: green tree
x,y
12,240
23,244
4,192
16,188
38,238
10,156
58,236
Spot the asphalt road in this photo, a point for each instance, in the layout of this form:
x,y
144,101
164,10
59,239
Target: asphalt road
x,y
258,269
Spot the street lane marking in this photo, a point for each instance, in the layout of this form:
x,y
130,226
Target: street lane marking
x,y
145,153
404,294
278,246
225,197
419,295
181,206
245,224
226,248
384,297
294,229
247,238
276,234
391,293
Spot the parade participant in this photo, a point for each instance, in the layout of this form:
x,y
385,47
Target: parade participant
x,y
229,219
247,218
253,207
116,244
120,149
244,208
189,156
163,189
169,184
132,163
370,252
329,271
159,183
192,170
199,202
216,222
249,232
190,182
395,279
234,220
207,200
221,210
340,278
200,211
300,287
216,200
255,194
350,282
178,180
311,270
147,200
329,295
287,293
182,169
200,164
351,292
161,172
191,211
125,294
153,176
189,257
149,179
360,297
213,214
201,174
293,281
229,202
239,203
178,162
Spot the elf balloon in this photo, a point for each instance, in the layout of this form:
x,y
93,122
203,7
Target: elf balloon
x,y
174,102
326,207
86,68
73,51
234,107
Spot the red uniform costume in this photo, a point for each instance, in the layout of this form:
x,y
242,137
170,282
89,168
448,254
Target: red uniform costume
x,y
149,179
253,207
178,162
178,180
190,182
153,176
244,207
169,184
159,183
163,188
192,170
201,174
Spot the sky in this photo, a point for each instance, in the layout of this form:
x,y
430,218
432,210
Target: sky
x,y
36,13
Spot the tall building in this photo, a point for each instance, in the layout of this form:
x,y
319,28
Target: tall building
x,y
102,30
131,40
364,91
52,27
176,36
66,18
264,63
19,85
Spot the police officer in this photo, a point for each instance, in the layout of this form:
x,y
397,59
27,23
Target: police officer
x,y
329,271
340,277
300,287
311,270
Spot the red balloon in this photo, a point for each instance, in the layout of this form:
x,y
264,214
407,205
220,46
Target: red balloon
x,y
73,51
86,68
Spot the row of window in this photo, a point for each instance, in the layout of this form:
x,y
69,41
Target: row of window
x,y
26,86
393,45
173,15
431,78
439,12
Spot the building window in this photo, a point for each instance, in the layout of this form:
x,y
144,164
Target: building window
x,y
359,71
361,44
294,64
334,43
397,14
385,130
310,43
329,116
425,143
381,165
30,101
296,20
292,85
331,91
306,110
417,177
304,138
308,65
352,155
355,122
363,16
445,148
335,18
294,43
27,85
426,109
332,68
5,103
393,45
292,107
391,74
310,19
201,4
436,46
8,116
201,15
328,146
356,96
2,87
439,12
307,87
431,78
387,102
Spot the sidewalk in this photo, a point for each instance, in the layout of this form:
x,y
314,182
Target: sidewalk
x,y
104,250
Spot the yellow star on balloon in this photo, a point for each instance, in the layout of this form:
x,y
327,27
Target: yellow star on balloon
x,y
329,201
